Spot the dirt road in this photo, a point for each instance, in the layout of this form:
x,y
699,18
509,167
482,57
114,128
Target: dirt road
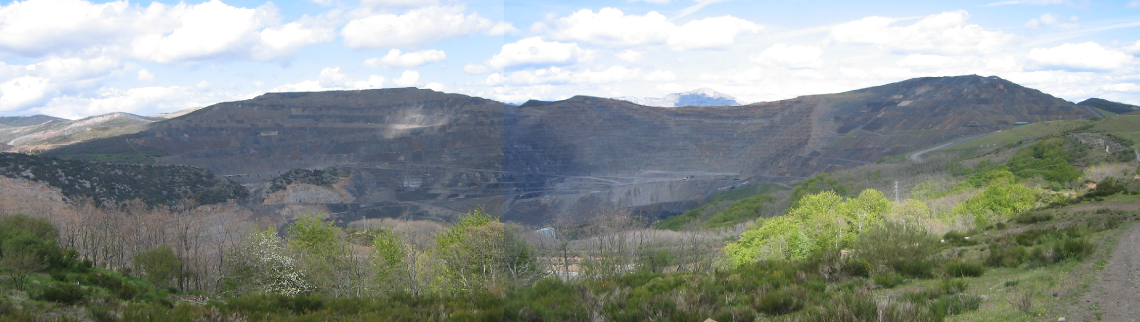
x,y
917,156
1116,293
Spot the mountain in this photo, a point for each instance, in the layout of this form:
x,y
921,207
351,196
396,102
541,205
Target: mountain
x,y
697,97
425,154
55,131
18,121
1118,108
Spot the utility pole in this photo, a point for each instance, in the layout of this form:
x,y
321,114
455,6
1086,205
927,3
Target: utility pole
x,y
896,191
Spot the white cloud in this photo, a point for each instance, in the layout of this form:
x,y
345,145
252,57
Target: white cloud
x,y
415,28
145,75
331,78
555,75
398,3
1121,87
660,76
475,69
944,33
1033,2
922,61
654,1
408,79
22,91
630,55
794,56
159,32
36,28
612,27
1133,4
1049,19
1082,56
397,59
535,51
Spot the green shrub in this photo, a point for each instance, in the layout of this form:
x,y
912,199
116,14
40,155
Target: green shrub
x,y
951,286
958,238
959,268
908,249
1005,255
856,306
159,265
955,304
781,302
1032,217
65,293
887,280
857,268
1072,248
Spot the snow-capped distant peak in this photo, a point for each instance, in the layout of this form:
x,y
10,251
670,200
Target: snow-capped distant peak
x,y
696,97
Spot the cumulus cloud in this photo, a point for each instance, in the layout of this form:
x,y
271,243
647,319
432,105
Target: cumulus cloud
x,y
415,28
612,27
476,69
142,100
1049,19
535,51
145,75
794,56
944,33
630,55
1032,2
331,78
660,76
22,91
397,59
1082,56
555,75
921,61
160,33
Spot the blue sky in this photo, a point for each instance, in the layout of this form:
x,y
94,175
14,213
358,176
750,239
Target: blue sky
x,y
76,58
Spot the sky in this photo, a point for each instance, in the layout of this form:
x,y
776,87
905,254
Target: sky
x,y
77,58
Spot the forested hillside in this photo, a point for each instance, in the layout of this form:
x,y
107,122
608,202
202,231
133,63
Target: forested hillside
x,y
115,183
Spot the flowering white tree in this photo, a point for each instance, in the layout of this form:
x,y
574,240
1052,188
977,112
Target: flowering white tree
x,y
261,262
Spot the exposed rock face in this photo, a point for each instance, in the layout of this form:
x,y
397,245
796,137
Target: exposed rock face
x,y
51,131
420,153
697,97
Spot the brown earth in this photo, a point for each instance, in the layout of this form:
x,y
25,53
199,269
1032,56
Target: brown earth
x,y
1116,293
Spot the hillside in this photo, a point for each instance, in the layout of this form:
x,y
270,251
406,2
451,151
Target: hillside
x,y
1114,107
111,184
427,154
56,132
18,121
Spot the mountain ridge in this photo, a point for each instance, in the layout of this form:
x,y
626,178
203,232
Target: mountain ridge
x,y
427,154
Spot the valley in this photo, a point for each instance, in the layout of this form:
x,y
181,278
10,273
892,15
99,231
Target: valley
x,y
935,199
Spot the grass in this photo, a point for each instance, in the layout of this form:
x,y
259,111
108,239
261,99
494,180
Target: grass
x,y
1003,287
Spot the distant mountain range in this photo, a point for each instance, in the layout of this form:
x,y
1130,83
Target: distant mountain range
x,y
697,97
39,132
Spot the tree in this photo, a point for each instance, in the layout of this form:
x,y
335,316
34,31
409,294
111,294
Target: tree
x,y
480,252
159,265
260,262
1001,200
20,266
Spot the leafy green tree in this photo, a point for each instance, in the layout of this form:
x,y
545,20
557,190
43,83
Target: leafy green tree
x,y
1048,158
481,253
1001,200
390,254
159,265
739,211
814,185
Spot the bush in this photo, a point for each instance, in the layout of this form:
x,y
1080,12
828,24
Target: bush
x,y
1074,248
955,304
1032,217
1005,255
781,302
857,268
958,238
66,293
959,268
160,265
887,280
907,249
